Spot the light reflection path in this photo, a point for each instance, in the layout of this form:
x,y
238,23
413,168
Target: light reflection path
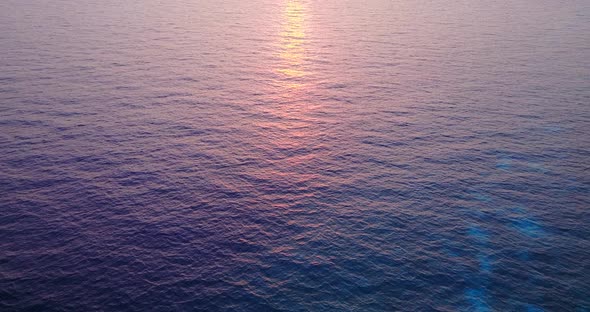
x,y
297,130
289,128
293,129
292,44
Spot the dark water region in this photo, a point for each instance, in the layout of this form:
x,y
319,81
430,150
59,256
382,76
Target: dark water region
x,y
294,155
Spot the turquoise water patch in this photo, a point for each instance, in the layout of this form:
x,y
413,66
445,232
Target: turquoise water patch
x,y
525,224
477,299
485,263
478,234
529,227
533,308
504,164
536,167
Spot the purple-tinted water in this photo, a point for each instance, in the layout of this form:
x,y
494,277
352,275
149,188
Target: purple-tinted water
x,y
294,155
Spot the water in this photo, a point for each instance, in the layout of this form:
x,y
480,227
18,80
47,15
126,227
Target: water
x,y
294,155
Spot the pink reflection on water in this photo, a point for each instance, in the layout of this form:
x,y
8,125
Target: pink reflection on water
x,y
292,42
290,126
291,129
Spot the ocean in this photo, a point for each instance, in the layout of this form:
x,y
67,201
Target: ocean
x,y
295,155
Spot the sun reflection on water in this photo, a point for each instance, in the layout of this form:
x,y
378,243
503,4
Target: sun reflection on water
x,y
291,127
292,42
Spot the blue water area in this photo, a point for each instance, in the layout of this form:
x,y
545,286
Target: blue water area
x,y
294,155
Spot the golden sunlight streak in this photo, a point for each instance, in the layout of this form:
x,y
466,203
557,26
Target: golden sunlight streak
x,y
292,126
292,40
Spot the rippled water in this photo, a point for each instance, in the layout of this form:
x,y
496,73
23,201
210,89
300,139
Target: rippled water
x,y
294,155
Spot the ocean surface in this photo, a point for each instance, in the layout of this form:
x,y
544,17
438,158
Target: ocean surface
x,y
295,155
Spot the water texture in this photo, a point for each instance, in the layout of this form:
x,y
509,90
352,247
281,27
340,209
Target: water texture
x,y
294,155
